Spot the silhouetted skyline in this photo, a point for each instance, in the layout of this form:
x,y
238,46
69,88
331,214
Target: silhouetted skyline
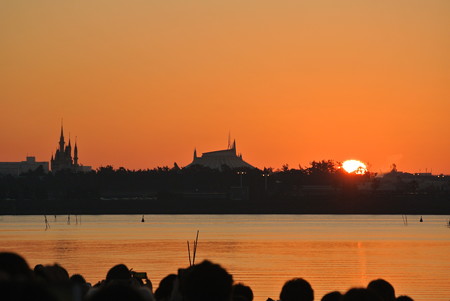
x,y
144,83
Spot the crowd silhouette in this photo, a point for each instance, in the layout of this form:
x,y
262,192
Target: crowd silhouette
x,y
206,281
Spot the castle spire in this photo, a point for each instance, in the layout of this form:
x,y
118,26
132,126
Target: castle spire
x,y
62,131
69,150
61,138
75,153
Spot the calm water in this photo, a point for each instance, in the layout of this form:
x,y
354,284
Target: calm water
x,y
332,252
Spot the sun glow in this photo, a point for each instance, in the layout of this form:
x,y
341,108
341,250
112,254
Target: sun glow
x,y
354,166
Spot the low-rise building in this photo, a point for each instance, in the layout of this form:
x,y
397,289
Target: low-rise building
x,y
17,168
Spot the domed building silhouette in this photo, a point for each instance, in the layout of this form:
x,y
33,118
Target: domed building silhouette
x,y
218,159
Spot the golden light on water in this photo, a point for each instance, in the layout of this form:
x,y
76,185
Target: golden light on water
x,y
354,166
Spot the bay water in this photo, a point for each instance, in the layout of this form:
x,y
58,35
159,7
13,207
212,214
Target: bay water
x,y
332,252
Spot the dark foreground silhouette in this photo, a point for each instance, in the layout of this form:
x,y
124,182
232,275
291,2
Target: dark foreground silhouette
x,y
205,281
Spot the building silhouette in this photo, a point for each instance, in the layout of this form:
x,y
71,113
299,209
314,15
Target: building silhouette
x,y
63,160
17,168
218,159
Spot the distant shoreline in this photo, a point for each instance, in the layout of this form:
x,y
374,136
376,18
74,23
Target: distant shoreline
x,y
357,204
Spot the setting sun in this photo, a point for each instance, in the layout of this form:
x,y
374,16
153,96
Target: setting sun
x,y
354,166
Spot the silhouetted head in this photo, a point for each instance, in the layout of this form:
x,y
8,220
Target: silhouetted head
x,y
14,267
165,287
56,273
38,268
118,272
404,298
242,290
361,294
79,283
77,279
117,292
39,271
333,296
206,282
297,289
382,288
51,273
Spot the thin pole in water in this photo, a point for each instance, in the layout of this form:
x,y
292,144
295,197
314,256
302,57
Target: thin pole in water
x,y
405,219
47,225
189,253
195,247
194,251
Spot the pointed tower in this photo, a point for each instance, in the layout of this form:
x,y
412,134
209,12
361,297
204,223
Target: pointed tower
x,y
233,147
63,155
69,149
75,154
195,153
61,140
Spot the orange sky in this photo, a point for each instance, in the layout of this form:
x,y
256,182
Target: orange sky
x,y
143,82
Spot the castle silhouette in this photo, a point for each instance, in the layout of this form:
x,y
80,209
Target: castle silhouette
x,y
63,160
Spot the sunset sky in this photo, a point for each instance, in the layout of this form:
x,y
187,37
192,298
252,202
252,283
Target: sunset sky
x,y
141,83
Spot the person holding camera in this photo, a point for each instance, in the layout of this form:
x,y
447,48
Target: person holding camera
x,y
120,284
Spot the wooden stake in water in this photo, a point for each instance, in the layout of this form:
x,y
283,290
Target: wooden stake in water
x,y
195,248
47,225
189,253
192,262
405,219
